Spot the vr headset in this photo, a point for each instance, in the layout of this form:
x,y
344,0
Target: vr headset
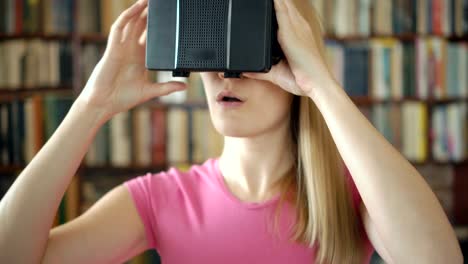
x,y
230,36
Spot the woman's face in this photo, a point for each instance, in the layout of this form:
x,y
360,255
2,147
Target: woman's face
x,y
264,106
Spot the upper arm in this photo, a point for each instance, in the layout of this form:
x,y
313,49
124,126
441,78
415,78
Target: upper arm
x,y
110,231
373,235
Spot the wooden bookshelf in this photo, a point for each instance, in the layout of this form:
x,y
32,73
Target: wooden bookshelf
x,y
358,100
188,104
401,37
462,232
116,170
99,38
93,38
11,169
369,101
42,36
78,40
21,93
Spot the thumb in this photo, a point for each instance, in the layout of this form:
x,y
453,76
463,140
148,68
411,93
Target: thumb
x,y
279,74
152,90
259,76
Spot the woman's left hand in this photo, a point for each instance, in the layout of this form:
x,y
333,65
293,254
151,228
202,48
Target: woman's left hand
x,y
305,68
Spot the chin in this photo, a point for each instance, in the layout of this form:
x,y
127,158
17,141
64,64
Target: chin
x,y
239,129
233,130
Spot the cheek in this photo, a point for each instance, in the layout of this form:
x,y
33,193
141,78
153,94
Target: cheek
x,y
273,106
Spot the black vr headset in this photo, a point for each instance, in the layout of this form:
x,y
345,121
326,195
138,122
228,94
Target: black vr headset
x,y
230,36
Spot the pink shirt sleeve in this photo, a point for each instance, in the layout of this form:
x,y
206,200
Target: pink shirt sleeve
x,y
141,189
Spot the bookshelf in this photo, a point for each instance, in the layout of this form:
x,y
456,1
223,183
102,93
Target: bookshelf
x,y
401,37
86,42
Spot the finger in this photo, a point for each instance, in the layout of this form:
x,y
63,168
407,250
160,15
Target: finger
x,y
279,74
140,25
283,17
119,25
152,90
127,32
137,23
259,76
297,18
272,75
142,39
281,12
285,77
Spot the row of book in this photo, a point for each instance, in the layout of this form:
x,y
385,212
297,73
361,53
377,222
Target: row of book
x,y
34,16
449,132
148,136
35,63
26,125
386,17
97,16
382,68
56,16
155,135
144,136
406,127
386,68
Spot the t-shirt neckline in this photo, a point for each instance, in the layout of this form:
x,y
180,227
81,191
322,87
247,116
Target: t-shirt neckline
x,y
235,199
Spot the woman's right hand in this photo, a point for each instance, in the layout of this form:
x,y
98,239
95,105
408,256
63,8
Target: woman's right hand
x,y
119,81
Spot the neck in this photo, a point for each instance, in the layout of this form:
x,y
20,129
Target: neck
x,y
252,166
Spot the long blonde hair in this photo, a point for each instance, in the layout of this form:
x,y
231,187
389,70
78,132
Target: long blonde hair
x,y
325,216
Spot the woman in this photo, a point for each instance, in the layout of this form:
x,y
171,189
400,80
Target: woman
x,y
284,146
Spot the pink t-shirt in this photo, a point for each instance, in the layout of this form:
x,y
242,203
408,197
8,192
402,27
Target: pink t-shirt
x,y
192,217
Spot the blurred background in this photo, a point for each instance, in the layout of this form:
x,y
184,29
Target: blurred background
x,y
403,62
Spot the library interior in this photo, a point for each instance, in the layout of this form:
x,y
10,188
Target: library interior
x,y
404,63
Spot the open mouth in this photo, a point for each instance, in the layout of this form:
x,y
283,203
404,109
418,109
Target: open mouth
x,y
228,97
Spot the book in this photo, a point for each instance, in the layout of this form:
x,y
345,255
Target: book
x,y
414,134
159,136
57,16
120,140
386,17
356,69
35,64
34,137
449,132
177,136
142,136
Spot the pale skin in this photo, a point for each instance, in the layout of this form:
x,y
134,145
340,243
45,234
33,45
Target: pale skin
x,y
402,217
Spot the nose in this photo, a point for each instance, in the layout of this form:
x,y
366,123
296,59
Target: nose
x,y
221,75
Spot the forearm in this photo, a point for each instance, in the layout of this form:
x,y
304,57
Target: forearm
x,y
404,210
28,209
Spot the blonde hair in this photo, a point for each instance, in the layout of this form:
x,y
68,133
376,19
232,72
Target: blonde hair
x,y
325,216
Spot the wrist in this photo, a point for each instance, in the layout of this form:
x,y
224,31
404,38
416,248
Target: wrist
x,y
317,87
329,91
98,115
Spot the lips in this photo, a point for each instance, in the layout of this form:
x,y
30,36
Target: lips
x,y
228,96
